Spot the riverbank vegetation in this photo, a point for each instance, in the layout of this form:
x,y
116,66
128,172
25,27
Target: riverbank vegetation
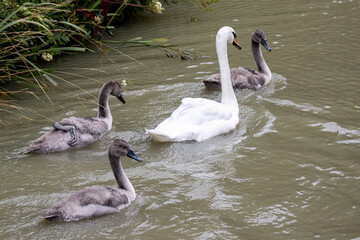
x,y
38,30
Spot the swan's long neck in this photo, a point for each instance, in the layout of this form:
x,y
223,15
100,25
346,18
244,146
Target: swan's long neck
x,y
259,59
228,97
121,179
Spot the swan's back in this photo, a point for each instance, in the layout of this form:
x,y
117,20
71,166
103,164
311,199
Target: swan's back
x,y
89,202
241,78
89,130
52,141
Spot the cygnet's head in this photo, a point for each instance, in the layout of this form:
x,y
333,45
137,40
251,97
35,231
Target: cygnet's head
x,y
116,91
258,36
120,148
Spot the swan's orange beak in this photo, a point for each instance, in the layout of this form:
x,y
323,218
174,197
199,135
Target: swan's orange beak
x,y
236,44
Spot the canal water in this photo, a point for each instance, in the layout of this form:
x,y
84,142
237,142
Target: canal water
x,y
291,170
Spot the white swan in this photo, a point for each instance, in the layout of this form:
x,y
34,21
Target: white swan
x,y
245,78
199,118
99,200
76,132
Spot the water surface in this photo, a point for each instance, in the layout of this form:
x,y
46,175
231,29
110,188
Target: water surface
x,y
289,171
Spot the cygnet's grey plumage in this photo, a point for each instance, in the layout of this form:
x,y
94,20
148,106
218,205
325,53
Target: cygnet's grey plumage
x,y
99,200
245,78
87,129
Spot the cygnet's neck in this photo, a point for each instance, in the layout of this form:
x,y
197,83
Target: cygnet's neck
x,y
228,97
259,59
122,180
104,109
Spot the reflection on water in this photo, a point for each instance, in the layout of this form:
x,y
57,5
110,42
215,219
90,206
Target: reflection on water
x,y
289,171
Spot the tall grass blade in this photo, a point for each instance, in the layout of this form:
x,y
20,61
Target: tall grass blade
x,y
76,27
24,21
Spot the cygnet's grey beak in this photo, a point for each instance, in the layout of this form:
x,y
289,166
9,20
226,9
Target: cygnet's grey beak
x,y
265,44
121,99
132,155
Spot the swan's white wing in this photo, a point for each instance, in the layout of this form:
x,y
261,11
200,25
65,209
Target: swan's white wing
x,y
198,111
195,119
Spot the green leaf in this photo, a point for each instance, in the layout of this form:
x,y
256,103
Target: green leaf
x,y
76,27
59,49
50,79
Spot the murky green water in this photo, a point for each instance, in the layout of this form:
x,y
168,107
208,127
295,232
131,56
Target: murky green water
x,y
290,171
